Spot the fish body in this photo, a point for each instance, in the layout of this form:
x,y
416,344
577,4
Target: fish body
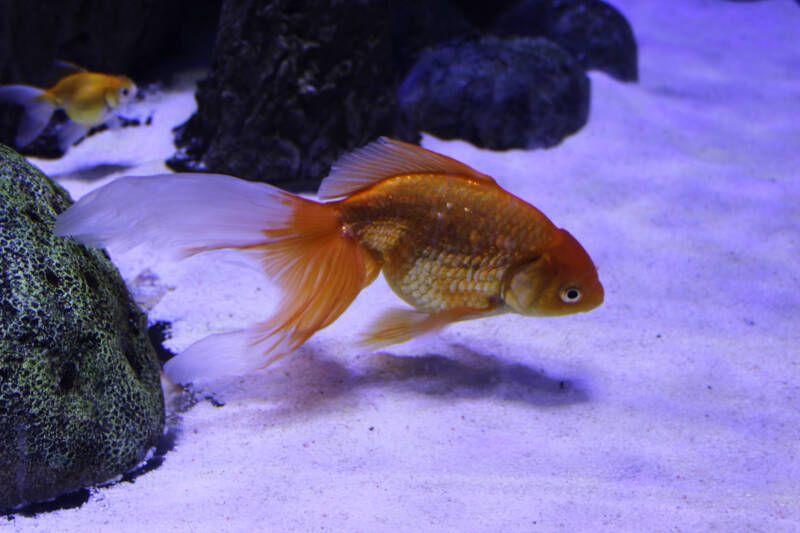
x,y
445,242
88,98
450,242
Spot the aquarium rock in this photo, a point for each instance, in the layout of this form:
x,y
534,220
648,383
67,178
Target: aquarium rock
x,y
418,25
597,35
293,85
497,93
80,393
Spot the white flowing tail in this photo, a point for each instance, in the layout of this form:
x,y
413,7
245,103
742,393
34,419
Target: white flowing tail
x,y
37,111
300,243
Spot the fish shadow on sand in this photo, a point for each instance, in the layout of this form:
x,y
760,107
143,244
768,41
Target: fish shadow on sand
x,y
310,383
91,173
471,375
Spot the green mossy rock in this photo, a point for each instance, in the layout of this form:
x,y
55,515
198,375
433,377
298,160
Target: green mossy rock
x,y
80,393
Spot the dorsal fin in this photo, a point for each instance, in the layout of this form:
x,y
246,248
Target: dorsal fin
x,y
386,158
68,66
61,69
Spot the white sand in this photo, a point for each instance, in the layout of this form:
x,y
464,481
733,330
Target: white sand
x,y
673,407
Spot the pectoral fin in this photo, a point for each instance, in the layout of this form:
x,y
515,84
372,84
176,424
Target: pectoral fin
x,y
400,325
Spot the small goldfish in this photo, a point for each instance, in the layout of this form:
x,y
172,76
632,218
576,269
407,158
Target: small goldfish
x,y
449,240
88,98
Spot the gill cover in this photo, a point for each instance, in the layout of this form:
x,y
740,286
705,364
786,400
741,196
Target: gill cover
x,y
525,285
561,281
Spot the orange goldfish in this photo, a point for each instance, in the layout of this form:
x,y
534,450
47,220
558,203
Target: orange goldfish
x,y
88,98
449,240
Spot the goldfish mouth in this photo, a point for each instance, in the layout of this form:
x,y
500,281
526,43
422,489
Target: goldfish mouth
x,y
594,298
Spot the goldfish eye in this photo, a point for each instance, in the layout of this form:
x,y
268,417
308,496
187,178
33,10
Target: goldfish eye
x,y
570,295
124,91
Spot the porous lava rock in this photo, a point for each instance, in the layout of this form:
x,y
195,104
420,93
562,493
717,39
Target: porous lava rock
x,y
80,393
293,84
497,93
597,35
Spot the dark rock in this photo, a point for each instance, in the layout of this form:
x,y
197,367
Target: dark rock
x,y
528,18
595,33
498,94
294,83
417,25
482,13
80,393
138,38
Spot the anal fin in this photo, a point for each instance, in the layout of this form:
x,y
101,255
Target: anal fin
x,y
400,325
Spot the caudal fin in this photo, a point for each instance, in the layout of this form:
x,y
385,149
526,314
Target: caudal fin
x,y
229,353
37,111
176,214
320,269
300,244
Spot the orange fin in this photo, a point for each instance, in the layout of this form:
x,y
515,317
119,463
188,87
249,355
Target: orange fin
x,y
320,269
400,325
301,244
384,159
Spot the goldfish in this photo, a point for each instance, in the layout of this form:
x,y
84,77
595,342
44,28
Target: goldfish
x,y
449,240
88,98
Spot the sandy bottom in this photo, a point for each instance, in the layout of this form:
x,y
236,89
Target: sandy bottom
x,y
673,407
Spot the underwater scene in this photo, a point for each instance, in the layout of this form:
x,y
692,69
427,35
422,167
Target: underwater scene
x,y
378,266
